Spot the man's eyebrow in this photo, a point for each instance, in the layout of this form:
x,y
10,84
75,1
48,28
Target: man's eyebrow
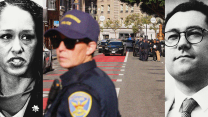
x,y
172,30
196,26
177,30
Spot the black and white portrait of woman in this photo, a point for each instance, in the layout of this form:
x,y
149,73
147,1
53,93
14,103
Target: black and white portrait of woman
x,y
20,58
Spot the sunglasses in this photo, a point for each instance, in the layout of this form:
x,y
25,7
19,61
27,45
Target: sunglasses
x,y
69,43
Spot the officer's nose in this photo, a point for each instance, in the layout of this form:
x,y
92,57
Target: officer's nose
x,y
183,43
17,46
61,46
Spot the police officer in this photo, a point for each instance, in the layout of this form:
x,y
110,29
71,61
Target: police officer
x,y
154,49
145,51
86,90
140,48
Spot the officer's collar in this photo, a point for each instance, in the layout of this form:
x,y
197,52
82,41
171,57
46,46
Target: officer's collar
x,y
73,74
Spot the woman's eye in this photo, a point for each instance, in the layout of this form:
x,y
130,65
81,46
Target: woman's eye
x,y
27,37
6,36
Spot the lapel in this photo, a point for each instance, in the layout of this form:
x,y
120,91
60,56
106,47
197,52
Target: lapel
x,y
168,105
169,102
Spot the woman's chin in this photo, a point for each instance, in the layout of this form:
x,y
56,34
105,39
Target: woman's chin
x,y
17,72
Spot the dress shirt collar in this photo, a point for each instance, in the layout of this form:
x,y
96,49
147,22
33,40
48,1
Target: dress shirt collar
x,y
179,98
201,97
73,74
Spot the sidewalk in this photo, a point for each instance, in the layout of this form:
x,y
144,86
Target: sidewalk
x,y
54,56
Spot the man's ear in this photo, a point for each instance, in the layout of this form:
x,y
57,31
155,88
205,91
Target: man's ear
x,y
91,47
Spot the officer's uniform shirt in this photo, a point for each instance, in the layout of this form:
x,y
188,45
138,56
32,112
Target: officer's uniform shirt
x,y
89,92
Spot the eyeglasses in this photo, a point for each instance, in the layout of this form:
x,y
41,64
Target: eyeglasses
x,y
192,35
69,43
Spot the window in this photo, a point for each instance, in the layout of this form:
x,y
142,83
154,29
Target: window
x,y
108,8
121,8
102,7
127,8
51,5
132,9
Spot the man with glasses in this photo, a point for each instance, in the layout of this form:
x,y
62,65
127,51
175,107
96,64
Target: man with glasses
x,y
86,90
186,39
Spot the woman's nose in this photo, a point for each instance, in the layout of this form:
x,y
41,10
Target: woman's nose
x,y
17,47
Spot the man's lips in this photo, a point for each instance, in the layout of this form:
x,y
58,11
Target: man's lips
x,y
184,56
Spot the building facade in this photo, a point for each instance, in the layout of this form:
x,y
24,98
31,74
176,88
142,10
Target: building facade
x,y
116,10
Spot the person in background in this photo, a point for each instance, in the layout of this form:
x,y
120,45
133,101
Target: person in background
x,y
158,51
145,47
154,49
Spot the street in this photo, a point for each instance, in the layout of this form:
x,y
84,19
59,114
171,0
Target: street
x,y
139,85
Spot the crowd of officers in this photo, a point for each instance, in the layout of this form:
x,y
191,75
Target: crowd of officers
x,y
146,47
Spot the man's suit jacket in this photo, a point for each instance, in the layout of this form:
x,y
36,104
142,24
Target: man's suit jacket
x,y
169,92
168,104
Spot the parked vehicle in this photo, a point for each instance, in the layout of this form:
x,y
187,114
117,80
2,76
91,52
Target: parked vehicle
x,y
136,48
47,59
101,45
128,43
115,47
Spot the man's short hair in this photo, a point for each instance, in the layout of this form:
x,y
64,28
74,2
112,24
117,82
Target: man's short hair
x,y
188,6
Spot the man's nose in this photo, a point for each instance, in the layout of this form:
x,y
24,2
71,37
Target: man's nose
x,y
183,43
17,46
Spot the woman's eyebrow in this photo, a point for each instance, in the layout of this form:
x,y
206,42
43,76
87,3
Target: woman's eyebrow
x,y
27,31
7,30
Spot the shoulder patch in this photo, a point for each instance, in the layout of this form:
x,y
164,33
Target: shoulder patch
x,y
80,104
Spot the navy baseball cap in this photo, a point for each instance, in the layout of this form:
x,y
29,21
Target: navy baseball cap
x,y
76,24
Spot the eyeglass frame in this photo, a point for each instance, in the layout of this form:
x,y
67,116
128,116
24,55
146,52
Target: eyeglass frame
x,y
185,34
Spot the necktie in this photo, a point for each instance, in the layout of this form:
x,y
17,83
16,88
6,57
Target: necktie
x,y
188,106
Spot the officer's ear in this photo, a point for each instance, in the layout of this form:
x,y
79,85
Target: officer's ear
x,y
91,48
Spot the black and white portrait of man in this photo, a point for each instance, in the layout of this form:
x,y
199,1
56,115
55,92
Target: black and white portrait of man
x,y
186,39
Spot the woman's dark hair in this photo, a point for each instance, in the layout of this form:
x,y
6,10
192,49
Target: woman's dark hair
x,y
36,12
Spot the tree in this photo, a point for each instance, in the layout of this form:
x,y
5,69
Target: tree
x,y
107,24
151,7
113,24
155,26
134,20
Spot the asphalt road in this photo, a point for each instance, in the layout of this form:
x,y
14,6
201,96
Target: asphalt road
x,y
139,85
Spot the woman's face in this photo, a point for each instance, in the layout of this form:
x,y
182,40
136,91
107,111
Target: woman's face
x,y
17,40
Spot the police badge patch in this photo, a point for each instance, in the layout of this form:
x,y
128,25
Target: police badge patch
x,y
79,104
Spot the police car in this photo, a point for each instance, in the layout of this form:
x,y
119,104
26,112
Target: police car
x,y
115,47
47,59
